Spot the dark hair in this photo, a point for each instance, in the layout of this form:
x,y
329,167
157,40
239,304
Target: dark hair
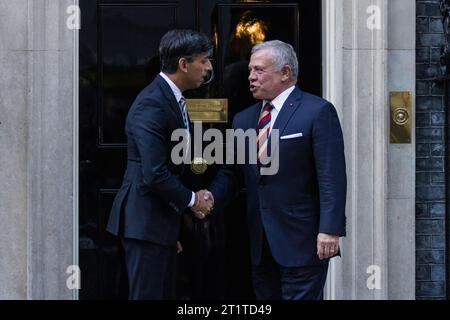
x,y
176,44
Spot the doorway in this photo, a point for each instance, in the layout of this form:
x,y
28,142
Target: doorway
x,y
118,58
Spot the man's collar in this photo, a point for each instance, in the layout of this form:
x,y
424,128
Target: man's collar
x,y
279,100
176,91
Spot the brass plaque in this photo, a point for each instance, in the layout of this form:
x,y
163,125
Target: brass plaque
x,y
400,123
208,110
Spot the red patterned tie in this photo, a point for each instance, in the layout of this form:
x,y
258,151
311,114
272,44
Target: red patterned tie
x,y
263,132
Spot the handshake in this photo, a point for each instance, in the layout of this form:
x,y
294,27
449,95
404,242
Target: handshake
x,y
204,203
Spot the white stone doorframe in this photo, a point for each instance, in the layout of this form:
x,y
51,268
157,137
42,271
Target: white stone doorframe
x,y
76,143
363,60
329,57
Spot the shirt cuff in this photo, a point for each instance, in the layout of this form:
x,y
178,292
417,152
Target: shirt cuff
x,y
191,204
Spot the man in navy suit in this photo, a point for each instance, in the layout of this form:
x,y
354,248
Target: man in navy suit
x,y
147,210
295,216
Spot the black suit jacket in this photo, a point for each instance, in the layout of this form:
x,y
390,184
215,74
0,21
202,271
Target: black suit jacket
x,y
152,198
308,193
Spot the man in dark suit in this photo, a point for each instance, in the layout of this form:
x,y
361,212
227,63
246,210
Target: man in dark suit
x,y
296,215
147,210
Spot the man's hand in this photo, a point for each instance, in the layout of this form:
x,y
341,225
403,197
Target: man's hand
x,y
204,203
327,245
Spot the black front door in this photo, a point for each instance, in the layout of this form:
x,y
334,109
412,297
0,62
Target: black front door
x,y
118,57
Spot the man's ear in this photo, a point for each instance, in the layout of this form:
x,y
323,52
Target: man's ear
x,y
182,64
286,73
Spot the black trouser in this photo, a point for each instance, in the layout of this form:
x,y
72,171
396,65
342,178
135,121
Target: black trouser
x,y
151,270
272,281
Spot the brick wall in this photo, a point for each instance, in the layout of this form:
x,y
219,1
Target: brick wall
x,y
430,148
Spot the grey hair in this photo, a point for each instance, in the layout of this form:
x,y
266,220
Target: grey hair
x,y
282,54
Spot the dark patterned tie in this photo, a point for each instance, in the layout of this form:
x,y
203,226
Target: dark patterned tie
x,y
184,113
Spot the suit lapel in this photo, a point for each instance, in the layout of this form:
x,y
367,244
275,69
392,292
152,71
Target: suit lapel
x,y
255,115
173,104
292,103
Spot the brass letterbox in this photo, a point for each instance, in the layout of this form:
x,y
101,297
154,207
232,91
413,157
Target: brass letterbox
x,y
208,110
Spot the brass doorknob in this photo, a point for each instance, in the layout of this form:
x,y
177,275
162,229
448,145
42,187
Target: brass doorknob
x,y
199,165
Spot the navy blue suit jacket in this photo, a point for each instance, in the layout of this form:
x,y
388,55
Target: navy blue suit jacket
x,y
152,198
306,196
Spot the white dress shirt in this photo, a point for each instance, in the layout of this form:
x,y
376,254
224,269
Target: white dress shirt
x,y
176,91
178,94
277,104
